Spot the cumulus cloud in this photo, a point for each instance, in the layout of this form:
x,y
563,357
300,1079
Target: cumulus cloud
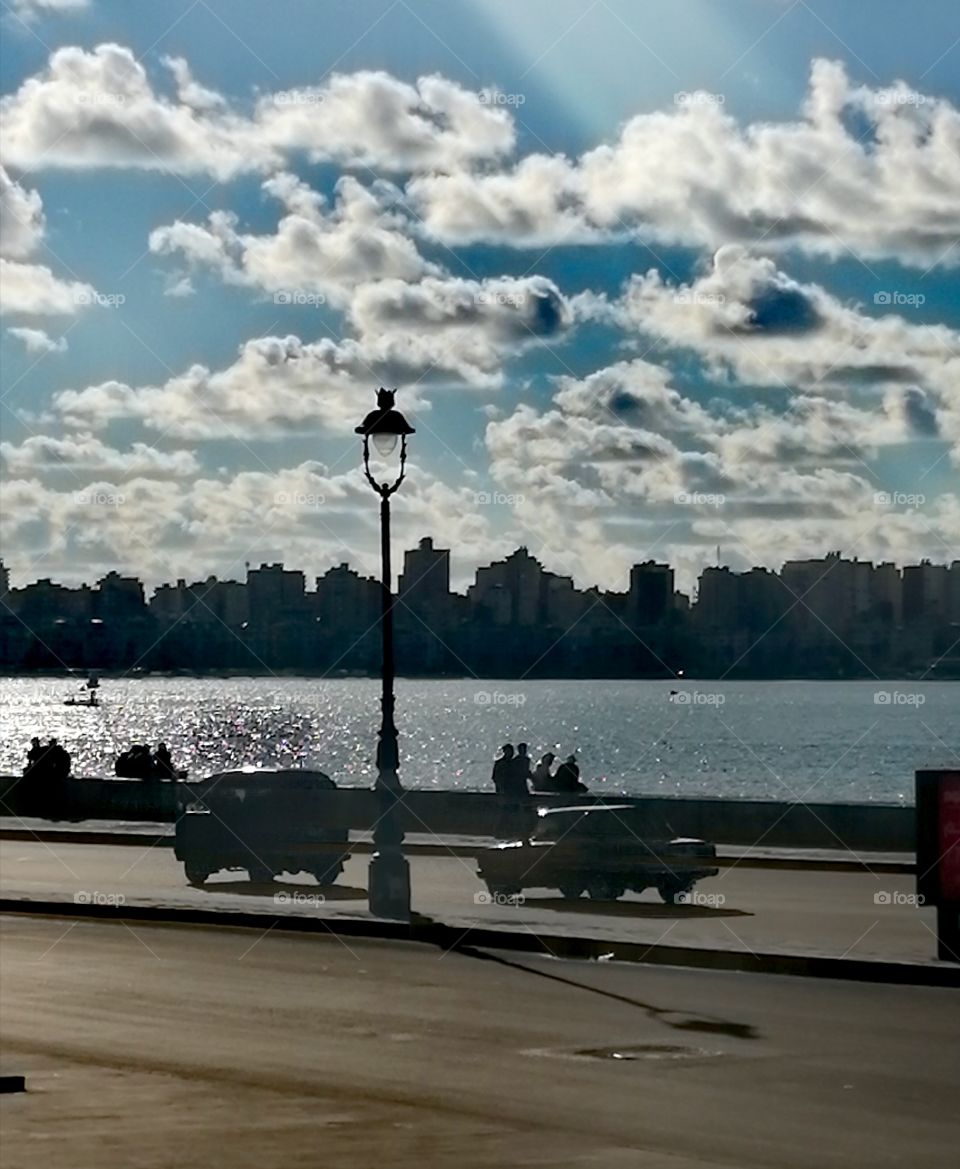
x,y
99,108
694,176
27,287
86,454
32,289
469,326
277,386
314,250
636,464
169,527
21,219
751,322
37,341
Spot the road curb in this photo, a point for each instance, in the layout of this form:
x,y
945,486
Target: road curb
x,y
448,938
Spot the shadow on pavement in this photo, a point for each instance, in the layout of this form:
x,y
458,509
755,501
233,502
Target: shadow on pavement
x,y
651,909
288,888
669,1016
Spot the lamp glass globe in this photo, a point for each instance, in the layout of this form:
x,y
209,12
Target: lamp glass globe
x,y
386,444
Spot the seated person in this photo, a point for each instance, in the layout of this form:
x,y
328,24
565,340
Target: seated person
x,y
543,780
567,778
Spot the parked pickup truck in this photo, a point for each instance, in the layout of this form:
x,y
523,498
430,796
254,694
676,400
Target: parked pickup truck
x,y
267,822
600,849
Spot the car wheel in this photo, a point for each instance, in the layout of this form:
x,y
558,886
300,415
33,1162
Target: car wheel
x,y
600,889
670,891
260,874
327,874
196,874
571,892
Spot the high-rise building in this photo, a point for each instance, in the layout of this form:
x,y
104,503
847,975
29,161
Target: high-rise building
x,y
119,598
763,600
925,591
347,602
718,599
425,580
886,593
275,592
510,592
651,593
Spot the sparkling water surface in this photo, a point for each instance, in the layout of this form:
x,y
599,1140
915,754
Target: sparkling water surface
x,y
817,741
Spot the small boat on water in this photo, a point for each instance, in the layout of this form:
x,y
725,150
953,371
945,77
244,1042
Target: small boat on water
x,y
90,698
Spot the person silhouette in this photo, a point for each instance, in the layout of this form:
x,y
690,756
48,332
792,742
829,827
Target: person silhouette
x,y
162,762
542,776
57,760
567,778
520,773
35,753
502,767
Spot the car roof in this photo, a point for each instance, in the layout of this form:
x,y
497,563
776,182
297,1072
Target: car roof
x,y
586,809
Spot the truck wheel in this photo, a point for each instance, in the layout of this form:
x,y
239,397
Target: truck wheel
x,y
498,891
196,873
671,890
327,874
571,892
602,889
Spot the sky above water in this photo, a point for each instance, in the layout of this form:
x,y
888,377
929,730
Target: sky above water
x,y
670,280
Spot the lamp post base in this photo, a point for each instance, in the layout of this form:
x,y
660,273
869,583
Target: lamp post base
x,y
389,885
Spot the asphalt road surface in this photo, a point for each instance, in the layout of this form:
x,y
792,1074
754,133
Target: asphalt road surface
x,y
161,1046
834,914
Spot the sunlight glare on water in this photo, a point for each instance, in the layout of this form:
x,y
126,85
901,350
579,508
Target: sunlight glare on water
x,y
783,740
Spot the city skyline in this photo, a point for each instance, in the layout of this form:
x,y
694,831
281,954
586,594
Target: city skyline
x,y
827,617
6,575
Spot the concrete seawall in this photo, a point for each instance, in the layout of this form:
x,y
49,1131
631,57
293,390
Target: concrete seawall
x,y
774,824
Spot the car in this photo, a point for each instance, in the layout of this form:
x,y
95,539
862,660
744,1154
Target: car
x,y
266,822
604,849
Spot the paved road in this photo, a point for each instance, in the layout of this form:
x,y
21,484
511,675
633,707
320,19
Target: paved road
x,y
832,914
159,1046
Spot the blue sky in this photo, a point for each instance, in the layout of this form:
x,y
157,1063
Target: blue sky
x,y
649,279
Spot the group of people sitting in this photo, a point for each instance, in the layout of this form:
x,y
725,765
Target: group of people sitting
x,y
50,761
514,777
140,763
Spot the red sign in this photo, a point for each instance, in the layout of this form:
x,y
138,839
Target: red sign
x,y
948,836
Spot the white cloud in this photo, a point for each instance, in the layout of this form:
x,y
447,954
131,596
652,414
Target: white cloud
x,y
21,219
37,341
467,325
84,453
164,528
33,289
31,9
28,287
693,176
278,386
635,468
749,321
313,250
100,109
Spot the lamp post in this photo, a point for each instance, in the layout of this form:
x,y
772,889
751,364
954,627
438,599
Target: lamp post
x,y
389,877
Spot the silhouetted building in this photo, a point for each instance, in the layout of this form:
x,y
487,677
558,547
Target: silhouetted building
x,y
651,592
826,617
425,580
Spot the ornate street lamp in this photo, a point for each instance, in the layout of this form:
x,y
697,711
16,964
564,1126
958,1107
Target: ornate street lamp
x,y
389,877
